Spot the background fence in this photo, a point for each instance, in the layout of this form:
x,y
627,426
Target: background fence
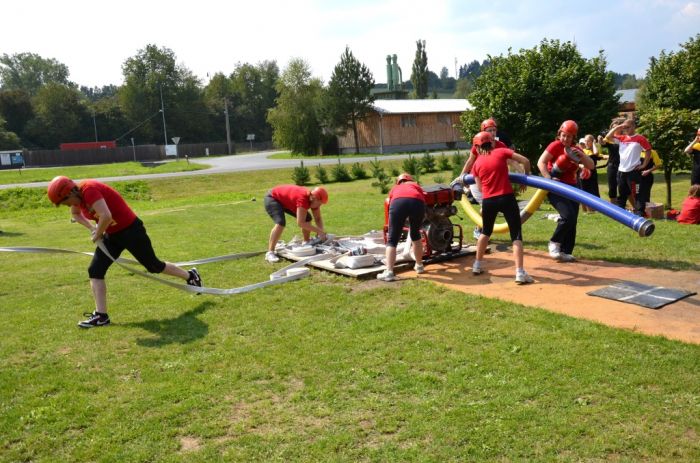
x,y
138,153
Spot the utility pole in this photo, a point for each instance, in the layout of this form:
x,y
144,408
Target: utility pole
x,y
228,127
133,148
94,123
162,110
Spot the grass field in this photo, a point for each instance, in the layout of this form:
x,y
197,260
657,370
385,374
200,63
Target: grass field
x,y
108,170
326,368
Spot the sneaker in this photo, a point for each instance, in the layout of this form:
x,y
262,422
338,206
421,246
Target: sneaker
x,y
563,257
477,270
271,257
554,249
476,233
419,268
386,275
94,319
194,279
522,278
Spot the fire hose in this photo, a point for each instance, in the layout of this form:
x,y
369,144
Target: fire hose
x,y
292,272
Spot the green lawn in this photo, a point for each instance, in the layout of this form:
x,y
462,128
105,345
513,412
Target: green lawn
x,y
44,174
327,368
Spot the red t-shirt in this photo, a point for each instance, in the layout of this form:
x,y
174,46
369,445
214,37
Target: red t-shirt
x,y
492,169
690,211
292,197
407,190
92,191
556,149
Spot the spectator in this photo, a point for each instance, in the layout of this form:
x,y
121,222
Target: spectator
x,y
589,177
613,148
693,150
690,210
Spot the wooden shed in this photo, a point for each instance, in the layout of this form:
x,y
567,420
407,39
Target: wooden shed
x,y
408,125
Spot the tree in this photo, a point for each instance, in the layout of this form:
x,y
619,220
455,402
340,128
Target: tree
x,y
154,70
531,93
29,72
61,116
673,79
294,119
16,109
669,131
348,98
419,74
254,95
8,139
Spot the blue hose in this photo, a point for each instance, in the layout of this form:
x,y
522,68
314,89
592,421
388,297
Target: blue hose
x,y
644,227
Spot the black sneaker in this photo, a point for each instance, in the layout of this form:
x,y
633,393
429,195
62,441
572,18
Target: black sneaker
x,y
194,279
94,319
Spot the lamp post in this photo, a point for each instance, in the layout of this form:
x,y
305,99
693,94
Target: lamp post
x,y
162,111
133,148
94,122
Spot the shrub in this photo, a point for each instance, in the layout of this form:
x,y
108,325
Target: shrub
x,y
411,165
358,171
383,182
427,162
322,174
439,179
376,168
301,175
444,162
395,172
340,173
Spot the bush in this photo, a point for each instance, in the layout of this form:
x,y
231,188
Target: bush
x,y
427,162
301,175
395,172
439,179
358,171
340,173
376,168
322,174
383,182
444,162
411,165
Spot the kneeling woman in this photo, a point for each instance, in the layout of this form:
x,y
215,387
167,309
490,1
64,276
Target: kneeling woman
x,y
491,176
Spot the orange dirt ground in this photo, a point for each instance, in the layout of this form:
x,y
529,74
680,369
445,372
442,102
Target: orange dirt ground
x,y
562,288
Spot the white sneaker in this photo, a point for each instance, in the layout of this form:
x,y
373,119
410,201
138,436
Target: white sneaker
x,y
563,257
419,268
523,278
554,249
271,257
386,275
477,270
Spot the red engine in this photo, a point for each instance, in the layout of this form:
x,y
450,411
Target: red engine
x,y
438,233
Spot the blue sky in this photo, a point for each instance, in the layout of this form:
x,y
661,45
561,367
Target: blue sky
x,y
93,38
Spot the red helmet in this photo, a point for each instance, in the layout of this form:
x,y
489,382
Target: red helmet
x,y
487,124
482,138
404,178
59,189
321,194
569,127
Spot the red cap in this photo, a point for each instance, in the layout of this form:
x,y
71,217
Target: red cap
x,y
321,194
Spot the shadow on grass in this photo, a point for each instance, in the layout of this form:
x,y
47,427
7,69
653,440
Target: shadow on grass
x,y
8,234
183,329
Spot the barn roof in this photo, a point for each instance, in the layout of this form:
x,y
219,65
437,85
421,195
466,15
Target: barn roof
x,y
443,105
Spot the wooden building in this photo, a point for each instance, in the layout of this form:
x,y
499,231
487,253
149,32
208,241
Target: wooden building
x,y
408,125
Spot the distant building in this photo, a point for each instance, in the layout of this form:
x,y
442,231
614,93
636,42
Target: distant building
x,y
628,100
408,125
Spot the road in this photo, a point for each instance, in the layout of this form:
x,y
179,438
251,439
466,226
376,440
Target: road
x,y
233,163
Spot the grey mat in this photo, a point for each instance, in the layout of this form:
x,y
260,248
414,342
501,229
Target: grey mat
x,y
651,297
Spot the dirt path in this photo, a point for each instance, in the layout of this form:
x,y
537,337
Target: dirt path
x,y
562,288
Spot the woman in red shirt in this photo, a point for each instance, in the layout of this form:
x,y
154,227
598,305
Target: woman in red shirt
x,y
406,201
490,173
690,211
119,228
560,161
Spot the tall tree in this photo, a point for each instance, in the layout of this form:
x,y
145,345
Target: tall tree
x,y
532,92
61,116
254,88
8,139
419,74
349,98
673,79
295,119
16,108
29,72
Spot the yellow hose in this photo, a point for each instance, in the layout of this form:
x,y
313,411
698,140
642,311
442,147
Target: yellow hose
x,y
525,214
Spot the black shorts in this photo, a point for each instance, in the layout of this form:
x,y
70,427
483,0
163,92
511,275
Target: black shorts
x,y
276,212
508,205
135,240
401,209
